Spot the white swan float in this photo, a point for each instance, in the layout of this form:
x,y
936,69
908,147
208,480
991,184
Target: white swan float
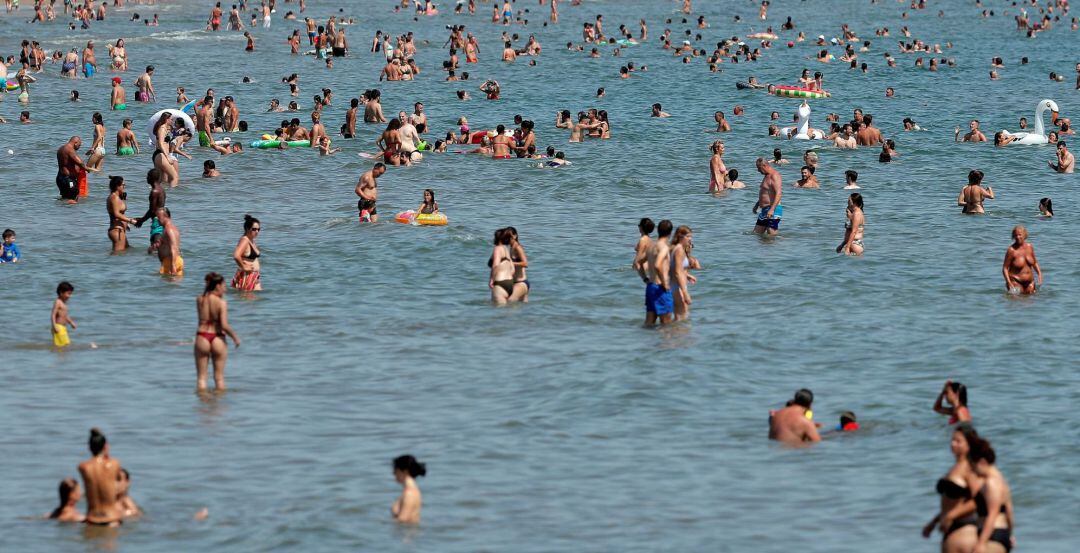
x,y
802,128
1039,136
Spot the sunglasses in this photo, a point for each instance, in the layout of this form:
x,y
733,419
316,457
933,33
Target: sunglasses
x,y
256,229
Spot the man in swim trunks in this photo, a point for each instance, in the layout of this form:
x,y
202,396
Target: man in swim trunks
x,y
156,201
89,62
169,250
1066,162
118,95
145,86
501,144
69,166
868,134
126,144
204,116
768,205
792,424
659,304
367,188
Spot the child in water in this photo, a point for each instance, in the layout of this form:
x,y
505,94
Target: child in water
x,y
429,206
60,317
847,422
209,169
9,252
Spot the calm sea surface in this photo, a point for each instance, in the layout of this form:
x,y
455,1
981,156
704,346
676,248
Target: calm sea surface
x,y
561,425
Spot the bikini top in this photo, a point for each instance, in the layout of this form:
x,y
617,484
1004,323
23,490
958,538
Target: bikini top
x,y
980,505
952,490
252,254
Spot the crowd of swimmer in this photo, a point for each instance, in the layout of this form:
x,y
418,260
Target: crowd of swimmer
x,y
974,493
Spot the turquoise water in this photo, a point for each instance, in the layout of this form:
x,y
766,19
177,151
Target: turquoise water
x,y
562,424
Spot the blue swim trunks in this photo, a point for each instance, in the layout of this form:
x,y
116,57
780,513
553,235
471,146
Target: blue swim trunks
x,y
88,70
658,300
773,223
155,229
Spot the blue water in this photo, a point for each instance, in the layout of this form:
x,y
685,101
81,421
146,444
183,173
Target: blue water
x,y
562,424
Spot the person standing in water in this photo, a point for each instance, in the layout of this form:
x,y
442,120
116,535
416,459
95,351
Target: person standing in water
x,y
792,424
958,533
659,303
521,263
853,228
213,313
126,143
406,508
100,474
156,202
97,146
116,205
645,227
246,255
680,276
69,166
955,394
501,279
172,264
1065,160
59,318
993,500
768,207
367,188
973,194
717,168
1020,268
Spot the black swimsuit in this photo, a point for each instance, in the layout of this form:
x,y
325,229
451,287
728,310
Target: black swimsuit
x,y
1000,535
952,490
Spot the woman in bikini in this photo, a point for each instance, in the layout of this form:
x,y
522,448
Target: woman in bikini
x,y
246,255
958,533
501,280
993,500
974,193
161,157
853,228
1020,268
955,394
390,142
97,147
117,206
521,262
211,332
680,277
429,205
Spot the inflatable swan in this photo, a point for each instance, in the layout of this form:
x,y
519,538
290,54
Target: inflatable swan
x,y
802,129
1039,136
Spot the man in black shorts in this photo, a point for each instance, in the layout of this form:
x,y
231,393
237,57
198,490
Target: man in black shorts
x,y
368,190
69,165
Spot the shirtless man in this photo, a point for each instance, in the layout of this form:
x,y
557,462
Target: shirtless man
x,y
791,425
1066,162
204,116
126,144
69,165
145,92
318,131
659,304
172,264
768,207
577,133
118,98
348,130
100,474
974,135
1021,269
501,144
156,202
972,196
721,123
868,134
408,135
367,188
89,62
373,111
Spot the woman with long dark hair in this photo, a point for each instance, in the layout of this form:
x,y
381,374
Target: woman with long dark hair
x,y
246,255
955,394
958,533
210,335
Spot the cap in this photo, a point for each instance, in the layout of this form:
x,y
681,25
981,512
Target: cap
x,y
116,80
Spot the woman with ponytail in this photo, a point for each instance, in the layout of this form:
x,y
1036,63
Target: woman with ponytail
x,y
213,314
406,509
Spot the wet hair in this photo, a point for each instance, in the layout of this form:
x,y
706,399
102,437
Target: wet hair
x,y
975,176
961,393
67,486
96,118
249,221
97,439
500,129
209,164
979,449
856,199
804,398
884,157
808,168
408,463
664,228
646,225
115,182
733,174
1044,203
851,175
212,281
847,417
66,286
